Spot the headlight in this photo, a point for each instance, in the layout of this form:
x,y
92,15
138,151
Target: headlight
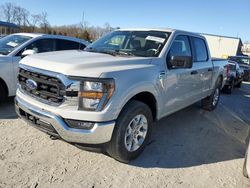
x,y
94,94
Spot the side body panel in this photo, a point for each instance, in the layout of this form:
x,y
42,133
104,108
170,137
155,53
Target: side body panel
x,y
7,74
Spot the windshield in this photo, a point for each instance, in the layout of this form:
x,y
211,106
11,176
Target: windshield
x,y
241,60
11,42
135,43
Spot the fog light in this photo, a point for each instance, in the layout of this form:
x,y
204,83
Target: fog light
x,y
76,124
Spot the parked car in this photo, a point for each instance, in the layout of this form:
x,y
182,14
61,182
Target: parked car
x,y
111,93
16,46
244,63
234,77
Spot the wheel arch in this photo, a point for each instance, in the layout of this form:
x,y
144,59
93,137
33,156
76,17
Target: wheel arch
x,y
3,83
147,98
220,77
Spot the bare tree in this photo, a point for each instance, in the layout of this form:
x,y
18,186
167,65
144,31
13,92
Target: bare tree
x,y
25,14
34,21
7,10
44,22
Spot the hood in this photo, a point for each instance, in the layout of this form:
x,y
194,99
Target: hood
x,y
82,63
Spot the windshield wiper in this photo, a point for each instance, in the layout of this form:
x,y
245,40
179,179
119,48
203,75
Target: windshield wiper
x,y
100,51
109,52
119,52
90,49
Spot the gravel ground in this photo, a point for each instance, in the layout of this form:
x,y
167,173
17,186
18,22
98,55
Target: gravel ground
x,y
191,148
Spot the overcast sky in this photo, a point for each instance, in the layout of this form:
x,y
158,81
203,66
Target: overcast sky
x,y
222,17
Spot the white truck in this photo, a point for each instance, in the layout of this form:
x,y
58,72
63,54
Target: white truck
x,y
16,46
110,94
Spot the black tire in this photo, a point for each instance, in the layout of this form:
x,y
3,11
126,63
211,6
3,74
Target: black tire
x,y
116,147
244,166
208,102
3,94
229,89
238,85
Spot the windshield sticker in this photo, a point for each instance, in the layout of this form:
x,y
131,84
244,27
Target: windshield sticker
x,y
12,44
156,39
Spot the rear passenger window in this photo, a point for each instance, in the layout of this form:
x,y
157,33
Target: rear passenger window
x,y
67,45
200,50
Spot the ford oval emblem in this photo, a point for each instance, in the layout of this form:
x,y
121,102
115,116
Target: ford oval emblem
x,y
31,84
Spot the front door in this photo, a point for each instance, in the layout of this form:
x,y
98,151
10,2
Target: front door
x,y
179,85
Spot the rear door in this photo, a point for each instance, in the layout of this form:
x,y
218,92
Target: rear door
x,y
203,65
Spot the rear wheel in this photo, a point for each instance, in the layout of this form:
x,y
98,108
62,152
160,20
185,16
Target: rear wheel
x,y
238,85
3,94
131,133
210,102
229,88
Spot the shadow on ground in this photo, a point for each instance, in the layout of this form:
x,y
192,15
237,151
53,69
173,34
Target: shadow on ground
x,y
7,109
194,137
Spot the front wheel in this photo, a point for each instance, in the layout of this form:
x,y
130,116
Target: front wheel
x,y
131,133
238,85
210,102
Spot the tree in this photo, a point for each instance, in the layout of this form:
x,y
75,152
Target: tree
x,y
44,22
85,35
7,10
35,20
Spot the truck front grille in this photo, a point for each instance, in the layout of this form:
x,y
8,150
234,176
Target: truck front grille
x,y
48,89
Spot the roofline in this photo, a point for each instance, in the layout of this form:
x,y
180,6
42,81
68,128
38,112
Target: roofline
x,y
147,29
220,36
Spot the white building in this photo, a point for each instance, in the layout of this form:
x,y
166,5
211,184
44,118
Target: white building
x,y
246,49
222,46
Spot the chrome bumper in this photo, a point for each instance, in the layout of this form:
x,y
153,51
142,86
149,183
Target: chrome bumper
x,y
100,133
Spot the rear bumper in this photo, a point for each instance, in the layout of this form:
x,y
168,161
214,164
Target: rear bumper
x,y
55,125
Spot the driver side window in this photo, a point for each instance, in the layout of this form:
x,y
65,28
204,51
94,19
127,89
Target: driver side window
x,y
180,47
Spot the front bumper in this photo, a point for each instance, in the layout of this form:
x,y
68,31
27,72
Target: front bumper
x,y
55,125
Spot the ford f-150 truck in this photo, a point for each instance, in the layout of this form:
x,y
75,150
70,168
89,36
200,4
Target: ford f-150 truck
x,y
111,93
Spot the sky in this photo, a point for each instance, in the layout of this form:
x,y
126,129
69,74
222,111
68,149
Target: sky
x,y
220,17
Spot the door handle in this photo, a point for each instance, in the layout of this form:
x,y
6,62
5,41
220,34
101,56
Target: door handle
x,y
162,76
194,72
210,69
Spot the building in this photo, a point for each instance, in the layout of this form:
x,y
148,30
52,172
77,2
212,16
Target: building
x,y
223,46
246,49
8,28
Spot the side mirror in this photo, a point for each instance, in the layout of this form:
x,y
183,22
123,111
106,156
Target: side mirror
x,y
181,62
28,52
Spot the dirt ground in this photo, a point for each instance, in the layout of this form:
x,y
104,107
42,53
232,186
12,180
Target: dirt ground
x,y
191,148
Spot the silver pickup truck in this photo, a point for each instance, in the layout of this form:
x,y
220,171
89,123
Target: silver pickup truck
x,y
111,93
